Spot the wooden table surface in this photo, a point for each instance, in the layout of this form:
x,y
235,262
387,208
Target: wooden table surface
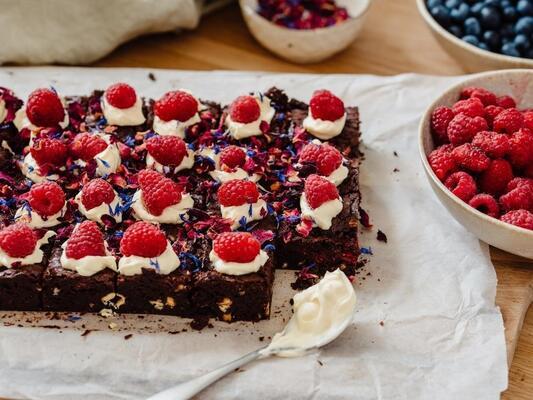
x,y
394,40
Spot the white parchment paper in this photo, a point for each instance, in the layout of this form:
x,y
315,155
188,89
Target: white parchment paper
x,y
426,326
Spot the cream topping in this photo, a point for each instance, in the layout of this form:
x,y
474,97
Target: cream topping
x,y
244,213
186,163
241,130
112,209
323,215
26,214
35,257
163,264
3,110
88,265
171,215
30,169
236,268
338,176
223,176
22,121
322,129
123,116
174,127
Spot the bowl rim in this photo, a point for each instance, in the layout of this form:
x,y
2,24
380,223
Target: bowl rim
x,y
245,7
422,134
423,10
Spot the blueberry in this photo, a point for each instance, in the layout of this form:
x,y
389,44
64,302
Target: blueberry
x,y
441,15
483,46
524,7
492,39
505,3
522,43
490,18
507,30
476,8
510,49
472,26
460,13
471,39
529,53
509,14
493,3
524,25
453,3
435,3
456,30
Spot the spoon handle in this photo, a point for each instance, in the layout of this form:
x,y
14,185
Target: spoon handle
x,y
188,389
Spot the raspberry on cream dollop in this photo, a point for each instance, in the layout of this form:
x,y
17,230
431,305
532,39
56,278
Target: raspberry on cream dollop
x,y
229,164
160,199
44,206
145,246
168,154
320,201
44,109
239,202
237,253
121,106
86,252
175,112
327,160
97,199
327,116
20,245
246,114
46,156
99,147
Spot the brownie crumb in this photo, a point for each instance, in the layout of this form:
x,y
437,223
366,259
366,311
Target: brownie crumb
x,y
128,336
364,218
151,76
381,236
199,323
381,323
320,362
395,153
86,332
261,338
395,170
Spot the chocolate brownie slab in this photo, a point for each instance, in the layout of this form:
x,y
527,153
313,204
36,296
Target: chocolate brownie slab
x,y
20,288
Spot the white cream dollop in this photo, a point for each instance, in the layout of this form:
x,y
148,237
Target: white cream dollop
x,y
338,176
323,215
88,265
108,160
170,215
175,127
186,163
21,120
26,214
323,129
241,130
35,257
250,212
3,110
163,264
30,169
321,313
130,116
236,268
224,176
112,209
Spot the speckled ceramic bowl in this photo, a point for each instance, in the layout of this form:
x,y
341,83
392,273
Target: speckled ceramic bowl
x,y
518,84
471,58
310,45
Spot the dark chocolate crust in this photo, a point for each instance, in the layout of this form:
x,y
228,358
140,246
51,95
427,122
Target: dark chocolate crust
x,y
20,288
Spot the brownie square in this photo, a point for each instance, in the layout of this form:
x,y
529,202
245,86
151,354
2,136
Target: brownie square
x,y
20,288
153,293
66,290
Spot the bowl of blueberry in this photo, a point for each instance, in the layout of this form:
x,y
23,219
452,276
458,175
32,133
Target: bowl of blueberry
x,y
483,35
476,146
304,31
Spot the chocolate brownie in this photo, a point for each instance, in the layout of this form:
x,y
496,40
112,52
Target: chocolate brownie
x,y
20,288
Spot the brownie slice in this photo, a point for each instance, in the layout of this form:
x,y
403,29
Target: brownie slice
x,y
66,290
20,288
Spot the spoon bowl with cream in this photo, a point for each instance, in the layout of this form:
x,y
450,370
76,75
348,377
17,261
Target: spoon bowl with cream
x,y
321,313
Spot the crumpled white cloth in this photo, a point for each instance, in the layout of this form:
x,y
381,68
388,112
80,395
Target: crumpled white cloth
x,y
82,31
426,326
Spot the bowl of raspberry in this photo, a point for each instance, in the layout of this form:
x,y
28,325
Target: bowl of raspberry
x,y
483,35
304,31
476,145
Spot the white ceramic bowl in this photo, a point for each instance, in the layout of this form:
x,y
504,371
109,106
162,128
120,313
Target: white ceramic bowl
x,y
519,84
310,45
471,58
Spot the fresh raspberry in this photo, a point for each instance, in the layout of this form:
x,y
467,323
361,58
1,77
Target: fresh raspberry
x,y
486,204
46,198
327,158
18,240
44,108
462,185
486,96
491,112
167,150
47,151
463,128
521,218
440,118
326,106
472,107
86,240
97,192
240,247
495,145
237,192
232,157
518,182
245,109
442,162
505,102
517,199
86,146
121,95
496,177
471,157
508,121
528,120
521,151
319,190
143,239
158,192
176,105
